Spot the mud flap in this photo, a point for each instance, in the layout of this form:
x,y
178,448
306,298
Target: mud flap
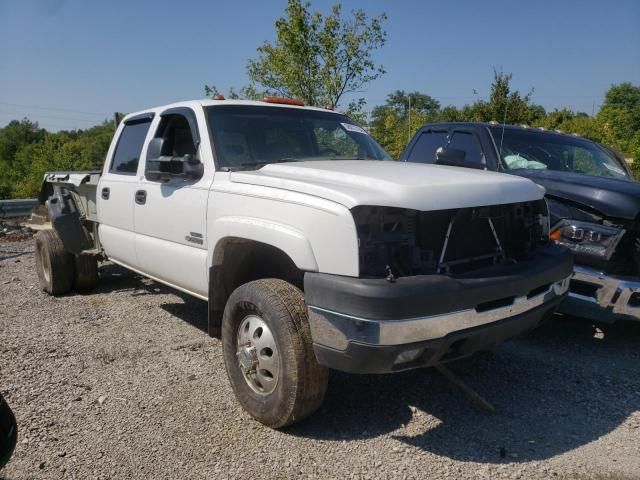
x,y
67,221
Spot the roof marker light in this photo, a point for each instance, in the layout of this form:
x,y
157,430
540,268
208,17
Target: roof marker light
x,y
217,97
283,101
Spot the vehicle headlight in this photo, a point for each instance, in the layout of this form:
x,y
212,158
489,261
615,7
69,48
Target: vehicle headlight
x,y
590,239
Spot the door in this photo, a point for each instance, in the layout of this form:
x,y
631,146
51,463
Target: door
x,y
170,215
115,196
425,146
468,142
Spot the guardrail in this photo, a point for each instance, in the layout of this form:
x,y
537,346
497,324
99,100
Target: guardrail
x,y
17,208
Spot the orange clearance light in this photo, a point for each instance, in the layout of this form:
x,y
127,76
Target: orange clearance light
x,y
284,101
556,235
217,97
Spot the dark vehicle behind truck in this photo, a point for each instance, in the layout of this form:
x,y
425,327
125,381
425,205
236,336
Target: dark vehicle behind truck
x,y
593,200
8,432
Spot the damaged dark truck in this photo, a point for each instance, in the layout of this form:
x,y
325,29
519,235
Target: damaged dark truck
x,y
312,247
594,202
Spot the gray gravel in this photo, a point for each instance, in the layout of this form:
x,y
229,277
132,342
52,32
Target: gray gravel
x,y
125,383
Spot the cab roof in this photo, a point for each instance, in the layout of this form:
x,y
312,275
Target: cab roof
x,y
216,103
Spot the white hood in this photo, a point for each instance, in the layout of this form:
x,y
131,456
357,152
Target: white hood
x,y
394,184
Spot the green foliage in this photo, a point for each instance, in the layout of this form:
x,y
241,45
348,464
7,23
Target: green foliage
x,y
617,123
26,152
318,59
391,124
504,105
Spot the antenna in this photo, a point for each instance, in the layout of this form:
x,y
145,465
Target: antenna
x,y
409,135
504,121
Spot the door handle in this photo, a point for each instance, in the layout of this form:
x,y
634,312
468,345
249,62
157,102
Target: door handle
x,y
105,193
141,197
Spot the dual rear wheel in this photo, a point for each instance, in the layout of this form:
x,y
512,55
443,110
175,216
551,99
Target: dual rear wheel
x,y
60,271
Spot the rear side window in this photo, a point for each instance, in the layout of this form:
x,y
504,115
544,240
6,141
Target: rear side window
x,y
469,144
127,154
424,151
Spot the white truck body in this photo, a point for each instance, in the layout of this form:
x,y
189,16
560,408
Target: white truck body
x,y
397,265
302,209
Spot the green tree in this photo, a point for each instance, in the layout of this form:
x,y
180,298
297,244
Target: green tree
x,y
393,123
318,59
16,135
504,105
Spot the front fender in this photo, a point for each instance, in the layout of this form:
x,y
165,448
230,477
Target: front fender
x,y
284,237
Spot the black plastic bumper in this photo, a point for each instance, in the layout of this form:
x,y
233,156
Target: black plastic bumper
x,y
363,325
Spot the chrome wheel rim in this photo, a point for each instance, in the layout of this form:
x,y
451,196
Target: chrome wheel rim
x,y
257,355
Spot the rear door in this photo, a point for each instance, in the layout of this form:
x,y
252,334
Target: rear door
x,y
116,189
170,215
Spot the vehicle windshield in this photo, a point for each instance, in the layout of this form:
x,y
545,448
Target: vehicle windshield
x,y
248,137
523,149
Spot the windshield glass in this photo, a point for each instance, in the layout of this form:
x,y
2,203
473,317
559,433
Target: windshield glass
x,y
247,136
539,150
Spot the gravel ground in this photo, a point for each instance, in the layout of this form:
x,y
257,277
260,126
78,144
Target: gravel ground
x,y
125,383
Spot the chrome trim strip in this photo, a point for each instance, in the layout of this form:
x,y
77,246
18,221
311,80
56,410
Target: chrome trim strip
x,y
609,288
335,330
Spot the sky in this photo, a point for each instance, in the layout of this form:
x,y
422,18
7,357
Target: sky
x,y
72,63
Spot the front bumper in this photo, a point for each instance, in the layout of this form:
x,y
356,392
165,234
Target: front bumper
x,y
598,296
374,326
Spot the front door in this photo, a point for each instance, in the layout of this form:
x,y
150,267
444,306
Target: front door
x,y
170,215
116,188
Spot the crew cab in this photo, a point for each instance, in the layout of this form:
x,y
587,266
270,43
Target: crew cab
x,y
593,201
312,247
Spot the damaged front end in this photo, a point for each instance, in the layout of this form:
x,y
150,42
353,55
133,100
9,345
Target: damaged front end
x,y
395,242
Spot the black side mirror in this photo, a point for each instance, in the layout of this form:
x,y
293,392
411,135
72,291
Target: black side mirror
x,y
455,158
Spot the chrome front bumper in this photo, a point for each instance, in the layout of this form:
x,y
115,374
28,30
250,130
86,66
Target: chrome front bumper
x,y
337,330
601,297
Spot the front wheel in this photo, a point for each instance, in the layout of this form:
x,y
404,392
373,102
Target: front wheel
x,y
268,353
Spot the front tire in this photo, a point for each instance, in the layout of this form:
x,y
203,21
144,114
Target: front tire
x,y
268,353
55,266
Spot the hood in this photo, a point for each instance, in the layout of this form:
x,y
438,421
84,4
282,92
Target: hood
x,y
609,196
393,184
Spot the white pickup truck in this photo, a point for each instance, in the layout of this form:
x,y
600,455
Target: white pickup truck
x,y
312,247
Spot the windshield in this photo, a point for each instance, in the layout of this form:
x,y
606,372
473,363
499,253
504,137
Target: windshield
x,y
539,150
248,137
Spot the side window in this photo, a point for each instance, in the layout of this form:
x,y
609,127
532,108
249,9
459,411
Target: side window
x,y
175,129
333,140
424,150
127,155
469,144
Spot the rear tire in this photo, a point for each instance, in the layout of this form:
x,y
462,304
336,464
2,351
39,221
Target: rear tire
x,y
55,266
276,379
86,273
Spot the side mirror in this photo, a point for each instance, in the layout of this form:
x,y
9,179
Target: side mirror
x,y
154,150
455,158
160,167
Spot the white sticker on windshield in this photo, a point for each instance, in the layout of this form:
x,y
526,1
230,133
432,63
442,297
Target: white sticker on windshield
x,y
350,127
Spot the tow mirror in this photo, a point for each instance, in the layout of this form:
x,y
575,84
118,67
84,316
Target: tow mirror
x,y
160,167
154,150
